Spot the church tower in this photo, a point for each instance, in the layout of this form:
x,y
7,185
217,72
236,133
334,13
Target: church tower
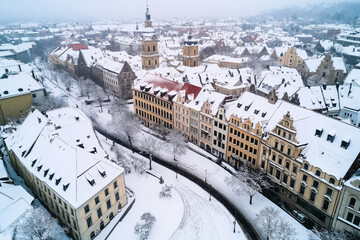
x,y
190,52
150,51
148,22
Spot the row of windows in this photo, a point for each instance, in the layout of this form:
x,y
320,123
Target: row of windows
x,y
243,146
152,118
153,109
318,173
153,100
221,126
97,199
148,48
247,138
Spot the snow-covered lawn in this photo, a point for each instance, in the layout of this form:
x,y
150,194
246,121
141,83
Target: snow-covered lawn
x,y
188,214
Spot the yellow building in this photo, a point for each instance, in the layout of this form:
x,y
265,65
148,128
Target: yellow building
x,y
62,162
293,57
17,93
154,99
244,139
190,52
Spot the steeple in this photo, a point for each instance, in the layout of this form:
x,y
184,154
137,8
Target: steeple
x,y
190,51
148,22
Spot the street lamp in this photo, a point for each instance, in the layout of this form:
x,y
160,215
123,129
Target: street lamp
x,y
234,222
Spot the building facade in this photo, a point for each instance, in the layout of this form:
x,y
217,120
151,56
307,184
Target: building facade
x,y
291,58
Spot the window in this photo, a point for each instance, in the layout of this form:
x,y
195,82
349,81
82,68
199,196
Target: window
x,y
278,173
304,178
302,190
332,180
106,192
289,151
285,178
294,169
312,196
357,220
349,217
89,221
115,184
292,183
287,165
276,145
271,170
117,197
280,161
325,205
86,208
282,148
315,184
329,192
99,212
306,166
108,204
97,200
317,173
352,202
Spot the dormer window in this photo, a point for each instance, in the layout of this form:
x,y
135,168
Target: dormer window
x,y
263,114
90,179
317,173
39,168
51,176
306,166
345,143
256,111
33,163
330,137
239,105
57,181
162,94
66,186
332,180
318,132
46,172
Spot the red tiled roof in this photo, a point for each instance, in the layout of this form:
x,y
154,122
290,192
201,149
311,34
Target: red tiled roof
x,y
160,82
78,46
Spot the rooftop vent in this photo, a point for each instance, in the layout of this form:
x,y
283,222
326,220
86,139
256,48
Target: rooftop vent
x,y
345,143
81,145
77,118
20,89
318,132
6,92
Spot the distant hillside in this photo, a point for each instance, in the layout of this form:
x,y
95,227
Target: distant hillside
x,y
342,12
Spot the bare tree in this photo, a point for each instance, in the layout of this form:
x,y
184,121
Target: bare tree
x,y
48,103
122,160
86,87
165,192
139,165
161,129
99,95
38,225
323,234
247,181
151,146
143,229
273,225
177,145
315,80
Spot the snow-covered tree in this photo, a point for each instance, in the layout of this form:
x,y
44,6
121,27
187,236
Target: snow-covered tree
x,y
86,87
48,103
99,95
323,234
144,227
124,121
122,160
165,191
151,146
161,129
273,225
177,144
38,224
246,181
139,165
315,80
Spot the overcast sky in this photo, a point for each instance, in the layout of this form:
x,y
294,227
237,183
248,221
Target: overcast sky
x,y
83,10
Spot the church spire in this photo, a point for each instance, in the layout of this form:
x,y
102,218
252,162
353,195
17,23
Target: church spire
x,y
148,22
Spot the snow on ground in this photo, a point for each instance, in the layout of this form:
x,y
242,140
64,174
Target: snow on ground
x,y
197,164
188,214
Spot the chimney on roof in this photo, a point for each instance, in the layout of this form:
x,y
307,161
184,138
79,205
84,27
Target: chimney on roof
x,y
19,67
32,73
324,86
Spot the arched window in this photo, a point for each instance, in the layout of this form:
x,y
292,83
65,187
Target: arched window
x,y
92,235
332,181
148,48
306,166
317,173
194,51
154,48
149,62
352,202
155,61
194,64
